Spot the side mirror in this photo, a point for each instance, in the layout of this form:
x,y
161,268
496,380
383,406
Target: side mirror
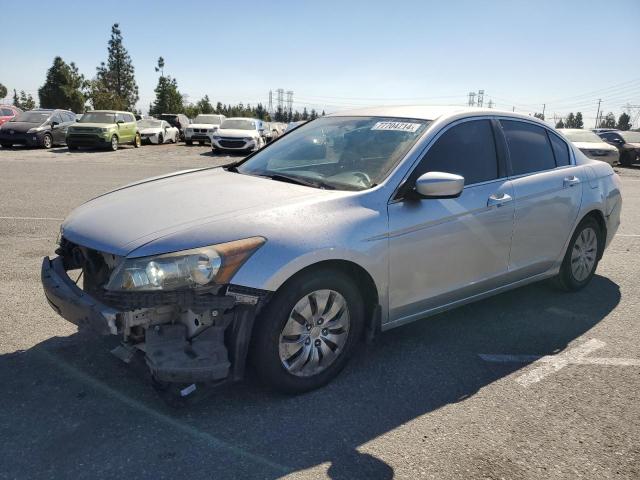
x,y
54,123
119,121
439,185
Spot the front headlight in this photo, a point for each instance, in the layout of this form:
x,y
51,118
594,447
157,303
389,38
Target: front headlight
x,y
35,130
196,268
215,137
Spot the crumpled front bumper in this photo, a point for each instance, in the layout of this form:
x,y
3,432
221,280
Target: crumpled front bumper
x,y
215,355
71,303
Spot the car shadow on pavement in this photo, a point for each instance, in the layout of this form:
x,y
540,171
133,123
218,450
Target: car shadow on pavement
x,y
71,410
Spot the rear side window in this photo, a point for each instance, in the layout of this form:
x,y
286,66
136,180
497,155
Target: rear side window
x,y
6,111
130,117
69,117
560,150
529,147
466,149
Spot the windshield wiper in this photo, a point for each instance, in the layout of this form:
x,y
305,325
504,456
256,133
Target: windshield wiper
x,y
300,181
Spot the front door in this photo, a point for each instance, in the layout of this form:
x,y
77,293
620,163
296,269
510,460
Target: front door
x,y
444,250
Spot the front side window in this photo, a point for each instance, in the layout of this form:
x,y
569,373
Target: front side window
x,y
529,148
120,117
344,153
467,149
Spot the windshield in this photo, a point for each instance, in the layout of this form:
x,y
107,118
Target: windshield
x,y
98,117
345,153
630,137
32,117
581,136
148,123
208,119
238,125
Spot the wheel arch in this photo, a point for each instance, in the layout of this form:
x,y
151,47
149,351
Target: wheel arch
x,y
364,282
598,216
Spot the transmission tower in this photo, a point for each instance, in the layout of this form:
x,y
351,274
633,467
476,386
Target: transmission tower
x,y
280,93
472,99
290,101
480,98
490,105
270,109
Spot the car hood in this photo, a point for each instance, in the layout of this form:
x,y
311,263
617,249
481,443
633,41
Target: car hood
x,y
151,130
20,127
594,146
93,125
124,220
227,132
634,145
202,125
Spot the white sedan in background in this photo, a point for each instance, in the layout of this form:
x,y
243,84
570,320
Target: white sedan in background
x,y
592,145
157,131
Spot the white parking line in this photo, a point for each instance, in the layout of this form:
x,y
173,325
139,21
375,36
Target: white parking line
x,y
33,218
185,428
548,364
626,235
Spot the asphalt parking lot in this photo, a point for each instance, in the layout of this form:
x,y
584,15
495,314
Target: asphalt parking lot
x,y
530,384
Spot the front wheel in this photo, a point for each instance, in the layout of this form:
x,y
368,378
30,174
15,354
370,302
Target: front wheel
x,y
137,141
47,141
114,143
6,145
307,333
582,256
188,142
160,139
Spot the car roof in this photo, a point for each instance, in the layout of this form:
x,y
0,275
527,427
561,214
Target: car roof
x,y
242,118
428,112
108,111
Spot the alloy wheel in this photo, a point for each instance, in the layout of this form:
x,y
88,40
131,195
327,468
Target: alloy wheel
x,y
315,333
47,141
584,253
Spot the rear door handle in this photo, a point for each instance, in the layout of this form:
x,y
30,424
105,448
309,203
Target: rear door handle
x,y
571,181
499,199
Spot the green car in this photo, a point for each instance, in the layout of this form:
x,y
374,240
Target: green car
x,y
104,128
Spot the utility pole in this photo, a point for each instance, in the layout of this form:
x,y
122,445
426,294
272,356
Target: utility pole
x,y
270,108
598,112
544,107
280,93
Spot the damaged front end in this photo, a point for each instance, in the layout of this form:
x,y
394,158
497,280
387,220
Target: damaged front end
x,y
187,335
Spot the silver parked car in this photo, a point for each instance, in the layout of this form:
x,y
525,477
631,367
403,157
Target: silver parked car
x,y
592,145
350,224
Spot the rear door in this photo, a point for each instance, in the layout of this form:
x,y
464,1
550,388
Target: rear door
x,y
444,250
548,192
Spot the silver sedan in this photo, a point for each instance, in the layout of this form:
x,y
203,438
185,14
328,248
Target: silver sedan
x,y
349,225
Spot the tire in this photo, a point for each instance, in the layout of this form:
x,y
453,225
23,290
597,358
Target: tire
x,y
625,159
160,139
72,147
270,352
188,142
114,143
201,142
6,145
581,252
47,141
137,141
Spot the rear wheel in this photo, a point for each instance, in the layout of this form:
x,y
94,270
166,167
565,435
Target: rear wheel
x,y
582,256
308,331
47,141
137,141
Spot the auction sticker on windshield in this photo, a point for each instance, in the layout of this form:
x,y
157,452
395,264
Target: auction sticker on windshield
x,y
397,126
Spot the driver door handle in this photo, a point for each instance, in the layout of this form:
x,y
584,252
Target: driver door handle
x,y
499,199
571,181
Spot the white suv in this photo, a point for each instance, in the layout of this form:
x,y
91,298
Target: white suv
x,y
202,128
239,134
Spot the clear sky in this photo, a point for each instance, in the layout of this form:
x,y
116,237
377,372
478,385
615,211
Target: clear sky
x,y
338,54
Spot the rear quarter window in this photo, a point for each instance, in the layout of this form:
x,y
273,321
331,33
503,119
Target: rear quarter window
x,y
560,150
529,147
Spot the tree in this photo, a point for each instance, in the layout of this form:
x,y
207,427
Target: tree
x,y
313,114
305,114
323,114
560,124
114,86
3,91
539,115
64,87
23,101
624,122
579,123
204,105
609,121
190,110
